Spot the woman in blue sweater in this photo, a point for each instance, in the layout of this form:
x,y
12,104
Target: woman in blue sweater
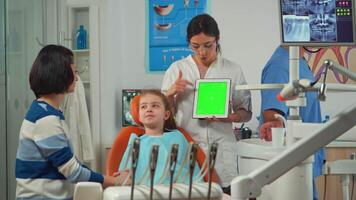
x,y
45,165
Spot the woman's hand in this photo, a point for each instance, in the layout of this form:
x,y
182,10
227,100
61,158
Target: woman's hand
x,y
179,86
214,119
118,178
232,117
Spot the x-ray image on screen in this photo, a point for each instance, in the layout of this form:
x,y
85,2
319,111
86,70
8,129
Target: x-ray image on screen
x,y
322,7
317,22
293,7
323,27
296,28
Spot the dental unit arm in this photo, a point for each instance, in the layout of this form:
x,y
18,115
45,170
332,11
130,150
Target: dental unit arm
x,y
244,187
249,186
342,70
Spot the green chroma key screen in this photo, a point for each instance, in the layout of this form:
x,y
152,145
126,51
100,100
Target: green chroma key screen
x,y
212,98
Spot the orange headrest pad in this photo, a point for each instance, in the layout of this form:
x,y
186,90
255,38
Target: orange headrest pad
x,y
135,110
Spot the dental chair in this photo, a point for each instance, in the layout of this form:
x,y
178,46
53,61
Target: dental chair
x,y
119,146
115,155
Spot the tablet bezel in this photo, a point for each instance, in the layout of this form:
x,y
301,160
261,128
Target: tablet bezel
x,y
196,93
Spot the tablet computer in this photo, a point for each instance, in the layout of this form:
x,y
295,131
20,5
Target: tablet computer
x,y
211,98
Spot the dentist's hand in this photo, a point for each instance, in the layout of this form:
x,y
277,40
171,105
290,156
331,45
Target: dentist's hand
x,y
214,119
266,131
179,85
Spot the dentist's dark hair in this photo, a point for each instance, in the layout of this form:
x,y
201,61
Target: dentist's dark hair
x,y
206,24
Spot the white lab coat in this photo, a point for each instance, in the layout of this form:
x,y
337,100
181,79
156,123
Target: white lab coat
x,y
76,116
202,131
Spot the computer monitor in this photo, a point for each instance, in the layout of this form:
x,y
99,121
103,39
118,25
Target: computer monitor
x,y
127,96
317,22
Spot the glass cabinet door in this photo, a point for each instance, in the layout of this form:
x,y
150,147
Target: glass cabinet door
x,y
24,34
25,26
3,184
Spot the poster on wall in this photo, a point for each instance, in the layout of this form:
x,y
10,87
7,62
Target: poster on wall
x,y
167,25
345,56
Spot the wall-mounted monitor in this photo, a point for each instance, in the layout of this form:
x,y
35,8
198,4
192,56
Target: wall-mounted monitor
x,y
317,22
127,96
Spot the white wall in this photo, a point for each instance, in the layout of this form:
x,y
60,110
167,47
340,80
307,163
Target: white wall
x,y
122,40
122,57
249,35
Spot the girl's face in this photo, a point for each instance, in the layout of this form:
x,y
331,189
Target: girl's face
x,y
204,48
72,86
152,112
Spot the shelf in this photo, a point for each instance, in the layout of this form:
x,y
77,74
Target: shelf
x,y
15,52
81,51
86,82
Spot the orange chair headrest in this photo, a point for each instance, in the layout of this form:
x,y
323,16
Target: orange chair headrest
x,y
135,110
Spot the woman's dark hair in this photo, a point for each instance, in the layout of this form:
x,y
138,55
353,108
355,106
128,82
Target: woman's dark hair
x,y
51,72
170,123
206,24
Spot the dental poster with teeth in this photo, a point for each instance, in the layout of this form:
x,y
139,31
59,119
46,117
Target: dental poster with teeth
x,y
167,23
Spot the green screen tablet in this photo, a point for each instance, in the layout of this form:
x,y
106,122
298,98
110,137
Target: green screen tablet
x,y
211,98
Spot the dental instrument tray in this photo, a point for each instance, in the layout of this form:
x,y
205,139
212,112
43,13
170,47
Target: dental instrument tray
x,y
179,191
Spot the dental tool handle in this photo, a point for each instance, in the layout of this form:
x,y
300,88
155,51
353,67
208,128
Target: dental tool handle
x,y
133,183
170,186
212,159
153,164
172,167
151,186
135,154
341,69
192,159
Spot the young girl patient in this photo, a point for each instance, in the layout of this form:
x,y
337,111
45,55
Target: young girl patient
x,y
160,128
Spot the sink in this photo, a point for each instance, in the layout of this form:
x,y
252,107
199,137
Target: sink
x,y
257,148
